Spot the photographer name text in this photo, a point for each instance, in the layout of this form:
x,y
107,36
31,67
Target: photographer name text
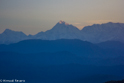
x,y
12,80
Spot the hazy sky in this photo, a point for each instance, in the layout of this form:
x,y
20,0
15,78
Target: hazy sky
x,y
33,16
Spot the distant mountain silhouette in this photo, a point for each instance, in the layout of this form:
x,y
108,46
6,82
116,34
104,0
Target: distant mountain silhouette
x,y
96,33
61,30
9,36
104,32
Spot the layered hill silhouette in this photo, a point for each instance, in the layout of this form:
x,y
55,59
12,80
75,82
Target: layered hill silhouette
x,y
96,33
85,52
57,67
62,61
42,68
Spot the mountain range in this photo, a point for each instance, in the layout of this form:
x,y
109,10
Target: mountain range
x,y
64,54
62,61
72,49
96,33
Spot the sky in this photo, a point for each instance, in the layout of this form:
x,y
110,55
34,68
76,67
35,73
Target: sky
x,y
33,16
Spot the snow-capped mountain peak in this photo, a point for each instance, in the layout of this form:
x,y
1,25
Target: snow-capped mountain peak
x,y
62,22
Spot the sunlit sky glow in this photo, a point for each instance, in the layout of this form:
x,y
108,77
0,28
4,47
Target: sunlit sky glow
x,y
33,16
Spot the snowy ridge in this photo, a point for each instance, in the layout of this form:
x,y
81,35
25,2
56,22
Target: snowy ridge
x,y
95,34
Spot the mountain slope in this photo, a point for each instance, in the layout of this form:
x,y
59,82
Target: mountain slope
x,y
105,32
9,36
61,30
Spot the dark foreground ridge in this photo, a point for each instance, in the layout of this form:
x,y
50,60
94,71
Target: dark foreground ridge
x,y
122,81
61,61
90,53
61,67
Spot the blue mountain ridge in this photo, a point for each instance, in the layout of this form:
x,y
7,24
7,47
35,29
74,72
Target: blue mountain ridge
x,y
61,61
96,33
